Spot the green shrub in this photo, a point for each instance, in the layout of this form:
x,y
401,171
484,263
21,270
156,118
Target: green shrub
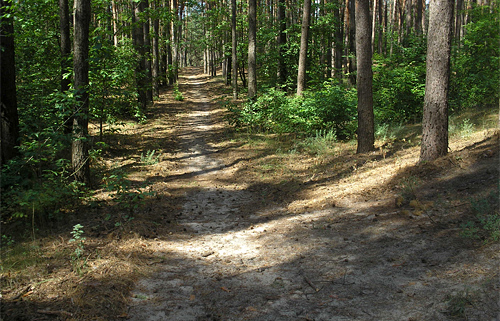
x,y
330,107
398,92
486,222
475,78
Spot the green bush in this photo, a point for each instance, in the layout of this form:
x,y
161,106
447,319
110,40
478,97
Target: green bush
x,y
28,190
398,92
475,77
486,222
330,107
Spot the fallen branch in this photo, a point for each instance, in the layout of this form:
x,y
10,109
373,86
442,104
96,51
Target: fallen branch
x,y
311,284
63,313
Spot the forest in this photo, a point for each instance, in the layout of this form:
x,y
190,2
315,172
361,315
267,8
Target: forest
x,y
332,84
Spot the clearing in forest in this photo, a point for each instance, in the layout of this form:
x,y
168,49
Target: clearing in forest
x,y
240,226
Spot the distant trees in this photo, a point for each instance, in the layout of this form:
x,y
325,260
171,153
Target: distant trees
x,y
134,47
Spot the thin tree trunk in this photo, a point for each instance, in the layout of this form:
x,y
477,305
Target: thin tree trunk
x,y
252,48
155,68
339,41
80,148
435,119
352,42
138,39
364,79
65,56
147,51
234,52
282,72
114,9
304,39
8,100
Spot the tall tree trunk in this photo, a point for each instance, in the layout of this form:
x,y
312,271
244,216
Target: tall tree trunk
x,y
419,11
435,119
175,39
339,40
234,52
155,68
282,72
169,36
351,43
376,4
138,39
147,51
80,148
8,100
364,79
65,57
304,39
252,48
114,9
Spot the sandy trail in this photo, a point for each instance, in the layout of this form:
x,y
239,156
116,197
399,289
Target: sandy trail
x,y
341,263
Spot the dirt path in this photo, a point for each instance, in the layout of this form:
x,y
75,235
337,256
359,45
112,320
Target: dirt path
x,y
240,260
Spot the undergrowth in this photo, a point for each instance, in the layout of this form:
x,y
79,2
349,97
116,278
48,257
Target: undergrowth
x,y
485,223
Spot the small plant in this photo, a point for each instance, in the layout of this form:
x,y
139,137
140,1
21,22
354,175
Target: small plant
x,y
409,187
458,302
320,144
486,223
127,196
177,93
150,158
7,240
463,129
77,257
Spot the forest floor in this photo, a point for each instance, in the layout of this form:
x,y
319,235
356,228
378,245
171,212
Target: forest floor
x,y
218,224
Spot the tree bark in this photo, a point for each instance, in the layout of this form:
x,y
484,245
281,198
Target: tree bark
x,y
147,51
339,41
8,100
155,68
435,118
80,149
138,39
282,72
114,10
234,52
304,39
252,48
351,41
364,77
64,29
175,39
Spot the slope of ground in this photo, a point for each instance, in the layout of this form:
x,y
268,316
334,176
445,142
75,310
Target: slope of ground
x,y
220,225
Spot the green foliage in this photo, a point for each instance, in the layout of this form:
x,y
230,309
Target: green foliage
x,y
320,144
463,129
475,78
177,93
150,158
330,108
409,187
458,302
77,259
112,86
123,192
28,188
398,90
486,223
